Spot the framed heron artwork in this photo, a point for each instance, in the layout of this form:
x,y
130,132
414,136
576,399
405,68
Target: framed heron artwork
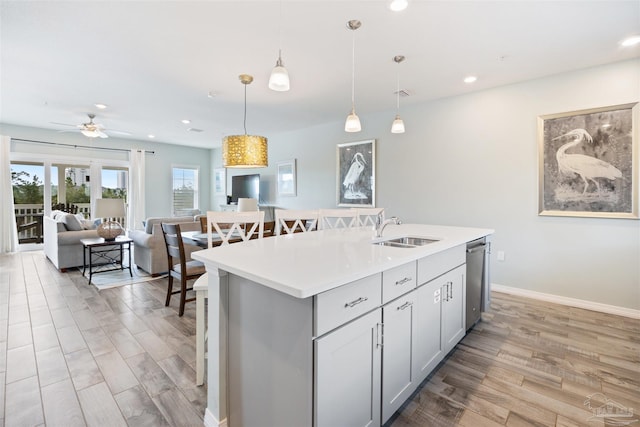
x,y
588,163
356,173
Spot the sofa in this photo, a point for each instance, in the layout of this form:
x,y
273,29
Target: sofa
x,y
149,251
62,234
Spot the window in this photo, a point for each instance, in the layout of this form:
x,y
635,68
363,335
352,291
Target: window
x,y
185,190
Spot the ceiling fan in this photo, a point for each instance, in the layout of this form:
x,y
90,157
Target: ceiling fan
x,y
91,129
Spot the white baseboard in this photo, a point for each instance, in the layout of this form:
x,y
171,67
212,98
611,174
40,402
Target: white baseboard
x,y
573,302
211,421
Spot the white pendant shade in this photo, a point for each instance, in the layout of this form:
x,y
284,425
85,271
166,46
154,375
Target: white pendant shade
x,y
398,125
279,80
353,123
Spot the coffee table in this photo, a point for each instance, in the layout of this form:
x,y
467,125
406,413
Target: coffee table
x,y
102,255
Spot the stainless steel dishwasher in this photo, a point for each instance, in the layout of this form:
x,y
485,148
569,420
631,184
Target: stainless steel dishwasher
x,y
477,279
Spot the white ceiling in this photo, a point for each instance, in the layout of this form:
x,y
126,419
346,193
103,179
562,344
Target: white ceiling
x,y
154,63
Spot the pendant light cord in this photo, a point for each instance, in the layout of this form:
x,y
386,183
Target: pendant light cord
x,y
398,90
245,109
353,71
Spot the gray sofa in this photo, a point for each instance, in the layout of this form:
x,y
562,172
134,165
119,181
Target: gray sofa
x,y
62,236
149,251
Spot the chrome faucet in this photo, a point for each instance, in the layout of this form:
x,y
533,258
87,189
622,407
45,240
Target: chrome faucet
x,y
380,224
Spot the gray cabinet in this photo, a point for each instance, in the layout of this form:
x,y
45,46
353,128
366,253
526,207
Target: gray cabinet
x,y
428,347
453,308
399,378
347,374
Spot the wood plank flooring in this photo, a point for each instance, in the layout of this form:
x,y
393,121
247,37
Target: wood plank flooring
x,y
533,363
71,355
74,356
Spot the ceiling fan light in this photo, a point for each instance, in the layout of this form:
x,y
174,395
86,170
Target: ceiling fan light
x,y
279,79
398,125
353,123
90,133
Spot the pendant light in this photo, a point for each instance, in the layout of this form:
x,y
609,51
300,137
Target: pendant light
x,y
353,122
279,80
398,124
244,151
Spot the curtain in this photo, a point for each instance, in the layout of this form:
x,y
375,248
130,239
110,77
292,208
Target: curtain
x,y
8,230
136,214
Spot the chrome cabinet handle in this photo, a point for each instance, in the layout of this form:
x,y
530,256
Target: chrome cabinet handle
x,y
403,281
405,305
356,302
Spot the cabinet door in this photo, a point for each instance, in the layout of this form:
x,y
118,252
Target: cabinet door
x,y
347,374
453,308
428,348
398,375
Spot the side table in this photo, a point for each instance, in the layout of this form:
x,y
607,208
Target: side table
x,y
102,255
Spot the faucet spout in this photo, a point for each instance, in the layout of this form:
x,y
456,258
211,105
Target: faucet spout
x,y
380,226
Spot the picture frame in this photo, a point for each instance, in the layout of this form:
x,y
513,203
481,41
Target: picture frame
x,y
220,181
356,173
588,163
287,177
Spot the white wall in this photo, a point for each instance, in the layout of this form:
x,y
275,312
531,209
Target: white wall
x,y
472,161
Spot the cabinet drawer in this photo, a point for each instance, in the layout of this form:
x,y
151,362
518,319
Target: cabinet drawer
x,y
340,305
437,264
398,281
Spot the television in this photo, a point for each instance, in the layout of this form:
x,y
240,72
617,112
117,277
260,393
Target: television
x,y
245,186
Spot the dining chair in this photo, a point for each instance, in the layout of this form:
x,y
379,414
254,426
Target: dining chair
x,y
337,218
232,227
369,216
179,267
290,221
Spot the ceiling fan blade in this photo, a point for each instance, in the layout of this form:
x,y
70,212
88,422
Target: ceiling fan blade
x,y
62,124
119,132
101,134
70,130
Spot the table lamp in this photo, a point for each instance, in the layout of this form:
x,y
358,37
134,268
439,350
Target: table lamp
x,y
109,210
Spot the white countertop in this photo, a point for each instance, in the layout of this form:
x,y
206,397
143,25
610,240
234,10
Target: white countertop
x,y
306,264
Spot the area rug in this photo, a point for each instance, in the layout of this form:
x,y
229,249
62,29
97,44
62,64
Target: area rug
x,y
113,279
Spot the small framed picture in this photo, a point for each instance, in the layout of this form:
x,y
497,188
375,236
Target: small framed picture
x,y
287,178
220,185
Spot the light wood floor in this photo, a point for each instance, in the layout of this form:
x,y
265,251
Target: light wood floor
x,y
532,363
73,356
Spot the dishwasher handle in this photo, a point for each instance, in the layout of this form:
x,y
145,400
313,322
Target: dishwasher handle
x,y
476,248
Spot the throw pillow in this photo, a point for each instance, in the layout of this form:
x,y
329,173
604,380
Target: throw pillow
x,y
71,222
88,224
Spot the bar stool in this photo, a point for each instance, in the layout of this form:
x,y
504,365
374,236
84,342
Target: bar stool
x,y
202,294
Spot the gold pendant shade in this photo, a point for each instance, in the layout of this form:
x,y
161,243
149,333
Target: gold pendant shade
x,y
244,151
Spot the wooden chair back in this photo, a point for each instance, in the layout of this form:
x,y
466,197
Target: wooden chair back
x,y
290,221
338,218
178,266
234,226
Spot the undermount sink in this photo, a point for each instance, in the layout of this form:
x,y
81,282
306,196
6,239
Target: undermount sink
x,y
406,242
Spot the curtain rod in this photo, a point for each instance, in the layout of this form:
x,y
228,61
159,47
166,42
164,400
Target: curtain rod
x,y
78,146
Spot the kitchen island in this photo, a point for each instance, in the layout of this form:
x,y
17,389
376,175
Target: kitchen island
x,y
330,327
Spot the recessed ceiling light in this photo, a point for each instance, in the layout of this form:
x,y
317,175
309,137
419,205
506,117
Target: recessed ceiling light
x,y
151,136
470,79
186,121
100,106
631,41
398,5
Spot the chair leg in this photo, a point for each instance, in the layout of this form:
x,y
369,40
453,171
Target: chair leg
x,y
169,291
183,295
